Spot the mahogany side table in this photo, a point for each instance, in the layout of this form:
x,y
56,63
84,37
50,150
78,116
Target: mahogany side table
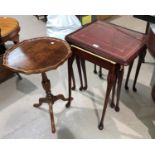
x,y
109,46
39,55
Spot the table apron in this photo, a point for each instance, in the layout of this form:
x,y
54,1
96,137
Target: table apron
x,y
109,65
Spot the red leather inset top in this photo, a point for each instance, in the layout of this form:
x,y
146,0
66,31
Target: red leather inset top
x,y
109,41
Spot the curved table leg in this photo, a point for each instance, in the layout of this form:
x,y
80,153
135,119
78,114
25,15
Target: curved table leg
x,y
84,73
140,61
79,70
73,79
41,101
70,70
120,79
110,82
112,104
128,75
50,99
52,117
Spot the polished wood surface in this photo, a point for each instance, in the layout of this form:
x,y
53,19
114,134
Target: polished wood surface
x,y
9,29
37,55
110,47
118,44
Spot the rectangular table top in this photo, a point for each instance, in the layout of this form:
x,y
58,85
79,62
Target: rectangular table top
x,y
110,41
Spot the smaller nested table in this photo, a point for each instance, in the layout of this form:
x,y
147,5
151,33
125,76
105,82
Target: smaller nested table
x,y
39,55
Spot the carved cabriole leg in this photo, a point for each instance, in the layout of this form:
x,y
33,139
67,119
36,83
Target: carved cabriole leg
x,y
79,70
110,82
70,74
120,79
140,61
128,75
84,73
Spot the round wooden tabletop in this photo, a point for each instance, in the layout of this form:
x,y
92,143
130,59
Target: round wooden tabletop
x,y
37,55
9,28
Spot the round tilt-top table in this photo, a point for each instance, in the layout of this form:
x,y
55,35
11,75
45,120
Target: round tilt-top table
x,y
39,55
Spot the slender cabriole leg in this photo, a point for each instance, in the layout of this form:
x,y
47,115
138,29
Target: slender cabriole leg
x,y
120,79
84,73
140,61
79,70
73,80
112,104
70,69
128,75
111,79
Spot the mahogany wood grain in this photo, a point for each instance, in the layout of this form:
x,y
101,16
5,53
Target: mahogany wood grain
x,y
39,55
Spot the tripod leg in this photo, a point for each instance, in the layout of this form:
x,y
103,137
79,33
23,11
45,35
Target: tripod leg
x,y
52,117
